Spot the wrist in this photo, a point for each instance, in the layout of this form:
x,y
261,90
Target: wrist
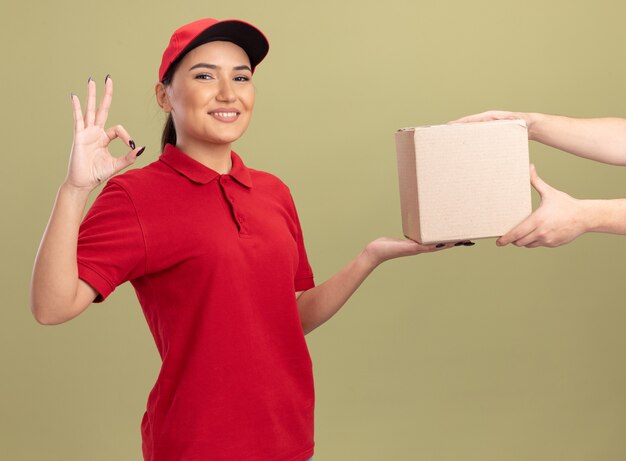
x,y
368,259
533,122
72,190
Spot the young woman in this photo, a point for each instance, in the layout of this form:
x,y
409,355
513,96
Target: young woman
x,y
561,218
214,251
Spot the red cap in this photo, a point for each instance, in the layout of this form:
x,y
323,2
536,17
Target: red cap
x,y
196,33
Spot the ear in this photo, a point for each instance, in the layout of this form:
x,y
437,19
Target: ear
x,y
162,98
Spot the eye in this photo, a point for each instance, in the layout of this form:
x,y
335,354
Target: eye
x,y
204,76
242,78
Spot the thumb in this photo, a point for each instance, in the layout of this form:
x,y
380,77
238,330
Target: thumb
x,y
128,159
539,184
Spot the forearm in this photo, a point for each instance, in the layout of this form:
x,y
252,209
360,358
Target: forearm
x,y
320,303
599,139
606,216
55,282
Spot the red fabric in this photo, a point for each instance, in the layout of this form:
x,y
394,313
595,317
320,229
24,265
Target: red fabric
x,y
215,261
245,35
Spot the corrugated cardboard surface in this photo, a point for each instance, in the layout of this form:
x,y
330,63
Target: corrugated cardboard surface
x,y
463,181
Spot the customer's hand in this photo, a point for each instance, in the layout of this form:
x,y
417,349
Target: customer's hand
x,y
559,219
491,115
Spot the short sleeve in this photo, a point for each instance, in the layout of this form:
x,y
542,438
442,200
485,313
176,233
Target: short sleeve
x,y
304,274
111,247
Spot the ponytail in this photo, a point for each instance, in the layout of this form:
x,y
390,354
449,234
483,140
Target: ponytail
x,y
169,130
169,133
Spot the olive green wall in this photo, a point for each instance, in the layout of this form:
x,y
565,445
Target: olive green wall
x,y
476,353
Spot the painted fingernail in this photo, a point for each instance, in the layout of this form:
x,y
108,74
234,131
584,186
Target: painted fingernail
x,y
72,95
140,151
107,78
440,245
89,80
468,244
458,244
131,143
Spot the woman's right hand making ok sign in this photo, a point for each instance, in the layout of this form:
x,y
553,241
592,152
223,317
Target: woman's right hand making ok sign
x,y
91,163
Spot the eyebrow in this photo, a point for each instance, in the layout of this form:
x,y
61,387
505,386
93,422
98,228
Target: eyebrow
x,y
213,66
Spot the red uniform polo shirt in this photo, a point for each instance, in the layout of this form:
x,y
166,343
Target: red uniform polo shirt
x,y
215,260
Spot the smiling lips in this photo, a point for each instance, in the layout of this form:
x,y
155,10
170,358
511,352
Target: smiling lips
x,y
225,115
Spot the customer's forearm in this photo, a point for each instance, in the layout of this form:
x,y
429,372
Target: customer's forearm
x,y
599,139
606,216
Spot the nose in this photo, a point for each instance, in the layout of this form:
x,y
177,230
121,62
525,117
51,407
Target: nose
x,y
226,91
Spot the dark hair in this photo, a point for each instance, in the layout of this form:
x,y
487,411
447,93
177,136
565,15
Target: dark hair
x,y
169,130
169,133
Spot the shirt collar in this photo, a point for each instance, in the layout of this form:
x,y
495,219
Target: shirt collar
x,y
197,172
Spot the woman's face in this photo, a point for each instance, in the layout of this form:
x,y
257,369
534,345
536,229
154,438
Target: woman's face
x,y
211,95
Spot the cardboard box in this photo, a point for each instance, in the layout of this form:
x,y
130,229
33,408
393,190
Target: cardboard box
x,y
463,181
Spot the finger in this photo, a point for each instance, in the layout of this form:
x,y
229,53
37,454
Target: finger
x,y
467,119
539,184
534,245
427,248
441,246
524,228
467,243
103,111
416,247
487,116
128,159
90,110
424,248
78,113
528,239
118,131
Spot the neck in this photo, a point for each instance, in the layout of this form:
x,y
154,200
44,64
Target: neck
x,y
213,156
